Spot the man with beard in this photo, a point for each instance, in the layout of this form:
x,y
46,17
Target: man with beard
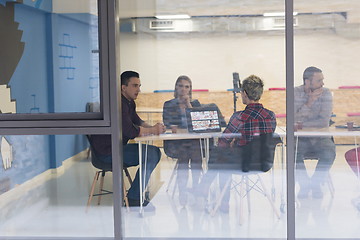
x,y
313,109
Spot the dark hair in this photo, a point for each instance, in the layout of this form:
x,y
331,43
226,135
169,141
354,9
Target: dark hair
x,y
254,87
180,78
309,73
125,77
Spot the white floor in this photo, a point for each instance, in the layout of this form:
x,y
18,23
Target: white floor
x,y
57,208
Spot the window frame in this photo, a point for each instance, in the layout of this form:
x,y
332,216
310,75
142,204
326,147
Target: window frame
x,y
66,119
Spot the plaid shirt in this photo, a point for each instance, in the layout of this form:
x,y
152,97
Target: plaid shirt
x,y
253,121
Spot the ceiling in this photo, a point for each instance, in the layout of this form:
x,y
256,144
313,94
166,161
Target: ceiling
x,y
148,8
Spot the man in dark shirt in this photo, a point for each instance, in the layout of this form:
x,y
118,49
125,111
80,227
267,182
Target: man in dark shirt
x,y
132,127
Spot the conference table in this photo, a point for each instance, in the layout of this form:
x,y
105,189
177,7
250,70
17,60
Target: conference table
x,y
204,139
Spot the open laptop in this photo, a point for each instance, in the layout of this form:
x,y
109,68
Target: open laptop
x,y
203,119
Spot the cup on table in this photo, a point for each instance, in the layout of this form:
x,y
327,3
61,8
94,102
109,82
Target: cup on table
x,y
298,125
350,125
173,128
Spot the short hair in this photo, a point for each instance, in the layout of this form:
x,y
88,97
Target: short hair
x,y
180,78
125,77
309,72
253,86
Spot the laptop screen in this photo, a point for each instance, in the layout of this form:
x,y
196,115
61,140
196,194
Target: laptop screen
x,y
203,119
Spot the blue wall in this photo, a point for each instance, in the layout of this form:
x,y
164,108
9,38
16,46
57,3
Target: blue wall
x,y
41,77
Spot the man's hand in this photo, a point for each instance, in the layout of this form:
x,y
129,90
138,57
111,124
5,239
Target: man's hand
x,y
159,128
313,96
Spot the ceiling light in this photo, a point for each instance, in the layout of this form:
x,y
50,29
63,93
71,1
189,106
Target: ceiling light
x,y
173,16
277,14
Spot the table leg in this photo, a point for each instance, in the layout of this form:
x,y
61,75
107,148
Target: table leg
x,y
140,180
282,204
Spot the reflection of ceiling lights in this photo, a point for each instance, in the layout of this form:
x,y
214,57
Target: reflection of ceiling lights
x,y
277,14
173,16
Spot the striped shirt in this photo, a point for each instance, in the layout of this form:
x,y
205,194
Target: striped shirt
x,y
253,121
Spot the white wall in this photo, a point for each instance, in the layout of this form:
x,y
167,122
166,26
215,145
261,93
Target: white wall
x,y
209,60
75,6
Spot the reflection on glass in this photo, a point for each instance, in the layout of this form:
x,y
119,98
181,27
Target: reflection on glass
x,y
49,57
313,109
45,183
187,66
326,106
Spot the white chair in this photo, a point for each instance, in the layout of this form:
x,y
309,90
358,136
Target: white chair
x,y
257,158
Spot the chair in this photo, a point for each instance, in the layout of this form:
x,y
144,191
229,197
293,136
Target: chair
x,y
257,158
92,107
103,168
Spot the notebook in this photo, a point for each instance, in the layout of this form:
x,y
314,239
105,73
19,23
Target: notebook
x,y
203,119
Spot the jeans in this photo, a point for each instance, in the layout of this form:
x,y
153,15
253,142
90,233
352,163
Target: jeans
x,y
321,148
131,158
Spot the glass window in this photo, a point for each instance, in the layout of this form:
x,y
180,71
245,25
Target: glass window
x,y
186,55
49,60
45,186
326,119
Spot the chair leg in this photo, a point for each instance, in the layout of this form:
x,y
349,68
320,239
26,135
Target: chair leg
x,y
88,153
96,177
218,201
128,175
241,207
331,185
101,186
248,193
172,175
126,199
268,196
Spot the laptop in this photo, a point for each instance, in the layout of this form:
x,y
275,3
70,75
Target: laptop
x,y
203,119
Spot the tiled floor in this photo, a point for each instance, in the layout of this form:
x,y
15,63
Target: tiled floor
x,y
57,208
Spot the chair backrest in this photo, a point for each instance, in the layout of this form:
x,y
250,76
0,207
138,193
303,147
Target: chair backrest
x,y
258,155
96,160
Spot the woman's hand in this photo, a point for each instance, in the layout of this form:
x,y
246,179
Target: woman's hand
x,y
185,101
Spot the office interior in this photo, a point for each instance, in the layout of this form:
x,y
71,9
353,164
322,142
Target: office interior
x,y
53,59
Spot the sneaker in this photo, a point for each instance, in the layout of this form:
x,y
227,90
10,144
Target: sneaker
x,y
148,206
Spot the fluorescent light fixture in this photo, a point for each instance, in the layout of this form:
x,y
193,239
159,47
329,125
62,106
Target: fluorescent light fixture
x,y
277,14
173,16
